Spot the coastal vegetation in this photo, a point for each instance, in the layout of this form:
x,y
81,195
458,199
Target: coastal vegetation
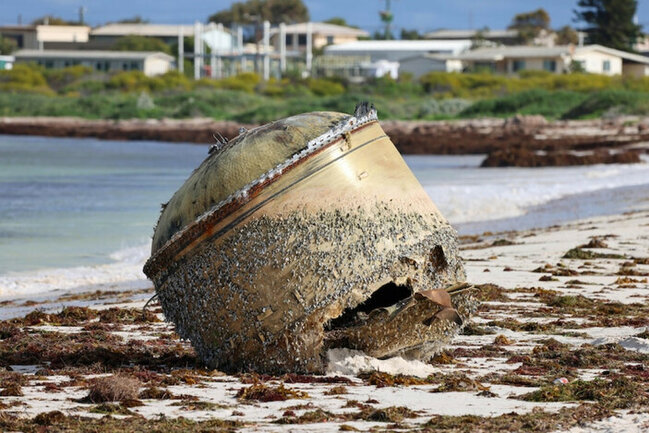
x,y
29,90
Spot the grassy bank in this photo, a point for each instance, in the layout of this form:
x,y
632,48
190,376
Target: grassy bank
x,y
79,91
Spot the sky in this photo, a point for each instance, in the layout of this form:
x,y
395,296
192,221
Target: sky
x,y
423,15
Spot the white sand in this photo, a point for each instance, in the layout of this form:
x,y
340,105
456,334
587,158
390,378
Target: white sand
x,y
531,250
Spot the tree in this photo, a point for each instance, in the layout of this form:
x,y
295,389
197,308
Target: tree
x,y
53,21
609,22
137,19
140,43
339,22
7,46
576,67
254,11
567,35
530,24
410,34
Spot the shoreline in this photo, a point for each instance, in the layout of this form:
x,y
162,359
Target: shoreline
x,y
570,208
541,312
455,137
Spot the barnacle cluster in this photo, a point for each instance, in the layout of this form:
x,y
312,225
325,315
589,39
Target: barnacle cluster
x,y
304,257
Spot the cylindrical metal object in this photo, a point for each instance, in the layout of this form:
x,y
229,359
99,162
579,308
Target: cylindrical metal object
x,y
305,234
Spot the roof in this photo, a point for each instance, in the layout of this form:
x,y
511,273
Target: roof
x,y
322,28
470,34
400,45
18,27
515,52
523,51
159,30
40,27
83,54
637,58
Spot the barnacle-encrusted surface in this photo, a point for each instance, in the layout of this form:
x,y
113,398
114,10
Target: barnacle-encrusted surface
x,y
305,256
299,271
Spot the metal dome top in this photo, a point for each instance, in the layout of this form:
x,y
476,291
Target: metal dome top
x,y
251,158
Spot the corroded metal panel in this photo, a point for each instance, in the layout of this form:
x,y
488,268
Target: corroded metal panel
x,y
335,245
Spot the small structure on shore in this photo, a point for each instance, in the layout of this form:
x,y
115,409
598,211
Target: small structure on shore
x,y
307,234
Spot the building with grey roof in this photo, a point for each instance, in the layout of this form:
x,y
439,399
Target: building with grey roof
x,y
595,59
149,62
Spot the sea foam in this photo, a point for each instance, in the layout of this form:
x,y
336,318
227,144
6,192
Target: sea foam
x,y
124,273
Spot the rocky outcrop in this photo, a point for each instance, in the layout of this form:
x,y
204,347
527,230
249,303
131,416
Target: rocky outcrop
x,y
520,157
476,136
200,131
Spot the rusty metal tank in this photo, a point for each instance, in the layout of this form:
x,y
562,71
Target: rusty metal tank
x,y
302,235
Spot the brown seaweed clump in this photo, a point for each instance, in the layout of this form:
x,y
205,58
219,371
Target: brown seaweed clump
x,y
303,235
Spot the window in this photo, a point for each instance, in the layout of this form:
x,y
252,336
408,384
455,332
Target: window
x,y
101,65
124,66
330,40
301,39
606,66
135,66
518,65
289,39
550,65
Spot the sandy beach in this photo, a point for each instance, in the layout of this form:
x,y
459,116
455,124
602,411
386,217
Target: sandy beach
x,y
560,343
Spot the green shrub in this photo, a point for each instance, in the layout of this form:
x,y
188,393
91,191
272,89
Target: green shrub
x,y
58,79
538,101
140,43
323,87
595,104
528,73
24,78
246,82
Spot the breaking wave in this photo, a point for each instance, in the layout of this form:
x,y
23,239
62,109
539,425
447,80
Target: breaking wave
x,y
123,273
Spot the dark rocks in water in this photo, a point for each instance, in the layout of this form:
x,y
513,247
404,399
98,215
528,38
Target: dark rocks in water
x,y
303,235
522,157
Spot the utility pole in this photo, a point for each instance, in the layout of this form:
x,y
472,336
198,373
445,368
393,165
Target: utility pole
x,y
181,50
309,47
219,54
212,32
266,50
82,15
242,56
282,47
387,17
198,37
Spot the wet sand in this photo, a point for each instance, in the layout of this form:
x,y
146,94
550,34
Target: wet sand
x,y
562,304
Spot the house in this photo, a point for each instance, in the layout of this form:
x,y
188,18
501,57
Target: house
x,y
489,37
354,68
425,63
105,37
642,45
7,62
397,50
505,37
322,34
594,59
46,36
150,62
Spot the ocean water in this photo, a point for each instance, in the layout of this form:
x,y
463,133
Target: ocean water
x,y
79,213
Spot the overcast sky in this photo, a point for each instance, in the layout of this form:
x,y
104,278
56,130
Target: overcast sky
x,y
412,14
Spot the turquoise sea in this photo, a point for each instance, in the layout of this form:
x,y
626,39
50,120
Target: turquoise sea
x,y
80,212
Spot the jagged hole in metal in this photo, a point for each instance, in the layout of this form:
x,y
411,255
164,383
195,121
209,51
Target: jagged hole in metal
x,y
385,296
